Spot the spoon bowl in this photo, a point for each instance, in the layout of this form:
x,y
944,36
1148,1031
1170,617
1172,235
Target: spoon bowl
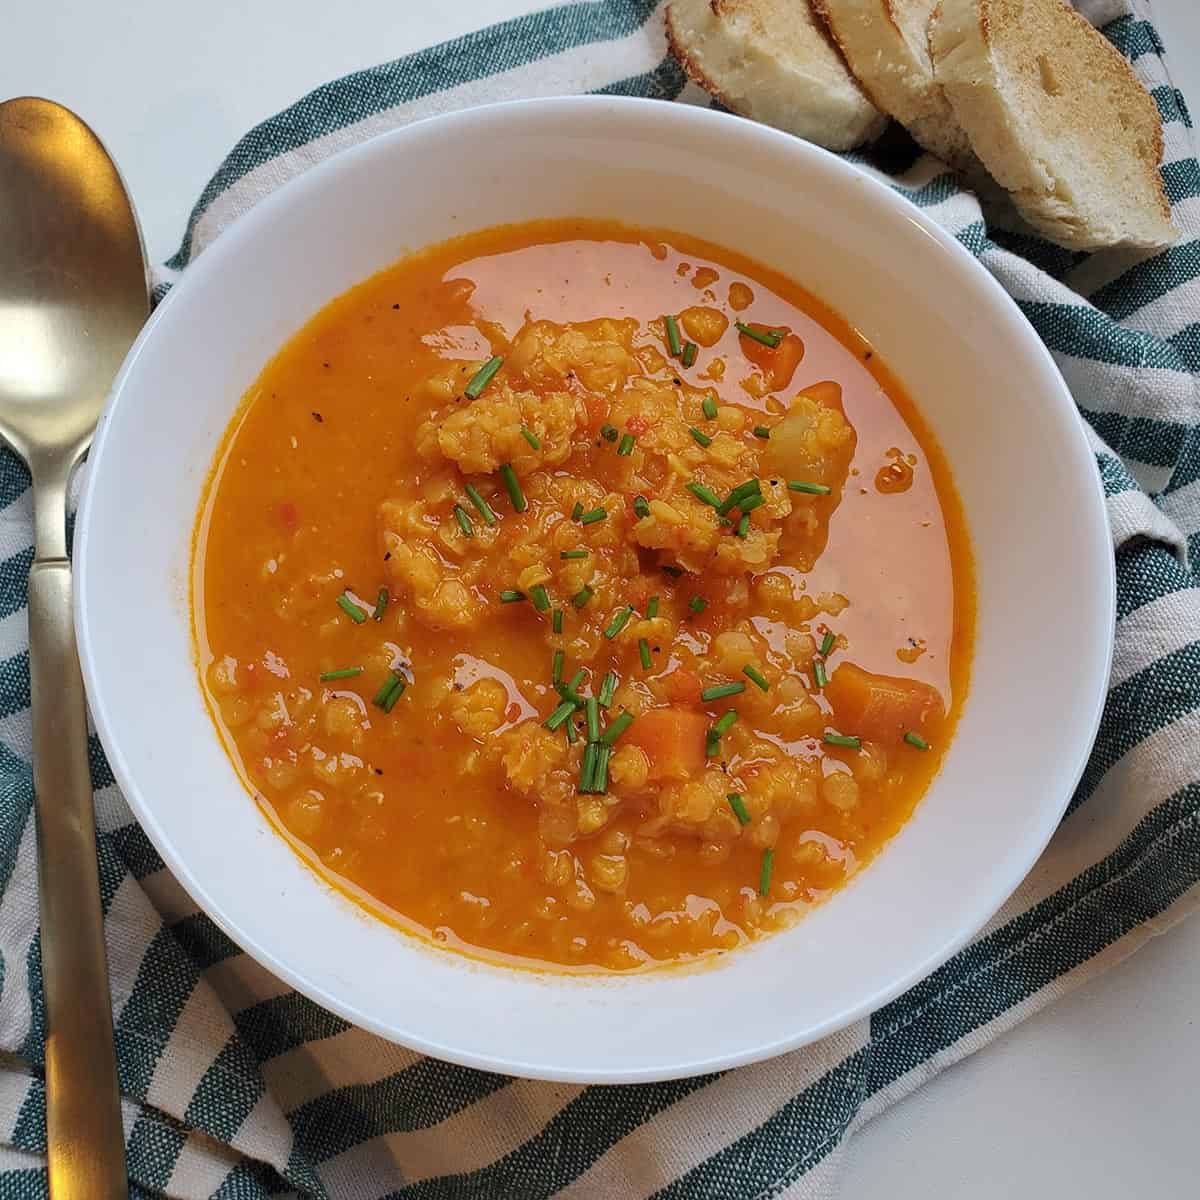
x,y
73,291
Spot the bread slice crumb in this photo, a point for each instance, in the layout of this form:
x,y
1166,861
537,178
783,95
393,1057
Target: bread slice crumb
x,y
773,61
1058,117
886,43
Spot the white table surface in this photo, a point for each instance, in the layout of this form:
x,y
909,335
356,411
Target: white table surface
x,y
1093,1097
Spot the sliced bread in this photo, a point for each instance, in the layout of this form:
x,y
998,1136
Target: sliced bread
x,y
772,60
1058,117
886,43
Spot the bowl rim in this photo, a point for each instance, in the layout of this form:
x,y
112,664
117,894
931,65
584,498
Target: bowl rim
x,y
240,235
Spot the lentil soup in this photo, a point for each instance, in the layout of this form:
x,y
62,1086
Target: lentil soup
x,y
582,596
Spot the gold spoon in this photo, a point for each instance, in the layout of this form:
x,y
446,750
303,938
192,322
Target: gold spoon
x,y
73,296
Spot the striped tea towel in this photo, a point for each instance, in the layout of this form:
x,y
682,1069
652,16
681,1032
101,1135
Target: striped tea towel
x,y
237,1087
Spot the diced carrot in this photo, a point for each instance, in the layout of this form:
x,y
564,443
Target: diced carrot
x,y
787,358
673,741
882,708
827,393
683,686
778,365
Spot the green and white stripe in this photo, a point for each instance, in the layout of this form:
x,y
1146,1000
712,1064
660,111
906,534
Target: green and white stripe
x,y
236,1087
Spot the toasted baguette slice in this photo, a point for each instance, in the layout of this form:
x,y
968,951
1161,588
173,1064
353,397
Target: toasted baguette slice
x,y
773,61
886,43
1058,117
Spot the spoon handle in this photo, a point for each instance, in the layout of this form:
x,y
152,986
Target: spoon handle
x,y
85,1141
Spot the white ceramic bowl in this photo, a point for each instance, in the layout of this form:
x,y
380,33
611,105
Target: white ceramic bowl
x,y
991,392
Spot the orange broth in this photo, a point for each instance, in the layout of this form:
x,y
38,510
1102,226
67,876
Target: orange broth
x,y
449,807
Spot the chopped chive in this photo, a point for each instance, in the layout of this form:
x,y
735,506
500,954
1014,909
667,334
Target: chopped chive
x,y
644,654
482,378
743,526
541,599
572,732
573,554
564,690
390,700
705,494
674,343
819,676
391,691
749,503
591,709
689,354
464,522
842,739
722,690
725,505
560,714
344,673
743,491
652,608
485,509
356,614
641,506
582,597
721,727
608,689
712,739
709,405
557,619
697,604
764,873
827,642
812,489
587,768
511,596
381,603
617,727
756,677
597,765
761,431
577,511
608,433
739,809
513,486
913,739
600,778
700,436
626,447
590,518
577,679
531,438
619,621
765,337
559,659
